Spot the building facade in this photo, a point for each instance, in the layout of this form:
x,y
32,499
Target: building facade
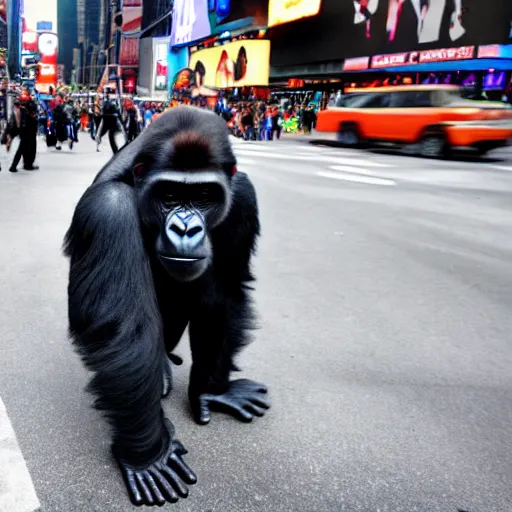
x,y
67,30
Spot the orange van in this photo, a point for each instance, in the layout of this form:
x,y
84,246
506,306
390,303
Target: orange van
x,y
430,120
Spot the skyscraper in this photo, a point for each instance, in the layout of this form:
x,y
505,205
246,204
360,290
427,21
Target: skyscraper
x,y
68,35
91,18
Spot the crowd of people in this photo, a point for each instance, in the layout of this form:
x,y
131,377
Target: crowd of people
x,y
61,119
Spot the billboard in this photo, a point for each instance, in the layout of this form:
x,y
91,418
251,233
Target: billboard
x,y
190,21
283,11
47,72
358,28
132,20
240,63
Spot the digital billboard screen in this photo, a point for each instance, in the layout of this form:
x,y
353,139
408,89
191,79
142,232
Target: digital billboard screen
x,y
236,64
360,28
190,21
284,11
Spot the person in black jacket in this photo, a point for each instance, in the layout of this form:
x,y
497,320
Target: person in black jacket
x,y
109,123
24,123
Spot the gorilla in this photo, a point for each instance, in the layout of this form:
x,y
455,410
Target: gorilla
x,y
162,240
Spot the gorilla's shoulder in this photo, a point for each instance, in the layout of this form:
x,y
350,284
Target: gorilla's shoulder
x,y
243,189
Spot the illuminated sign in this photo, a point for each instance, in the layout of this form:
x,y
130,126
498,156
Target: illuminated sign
x,y
356,64
423,57
245,62
47,68
283,11
48,43
29,42
190,21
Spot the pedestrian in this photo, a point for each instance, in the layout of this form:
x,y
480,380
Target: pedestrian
x,y
277,124
24,123
60,120
132,123
71,116
269,135
109,123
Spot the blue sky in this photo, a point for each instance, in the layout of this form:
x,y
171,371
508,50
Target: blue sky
x,y
40,10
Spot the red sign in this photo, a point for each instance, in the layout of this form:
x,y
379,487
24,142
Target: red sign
x,y
47,67
423,57
132,20
356,64
29,42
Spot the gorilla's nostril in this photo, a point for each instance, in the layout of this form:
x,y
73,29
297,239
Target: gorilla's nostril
x,y
194,231
178,229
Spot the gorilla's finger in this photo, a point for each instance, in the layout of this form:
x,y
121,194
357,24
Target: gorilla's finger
x,y
260,402
242,414
155,491
257,386
254,409
148,498
134,491
178,448
185,473
174,480
165,486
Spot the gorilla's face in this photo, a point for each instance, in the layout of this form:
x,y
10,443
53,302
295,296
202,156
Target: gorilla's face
x,y
182,197
192,205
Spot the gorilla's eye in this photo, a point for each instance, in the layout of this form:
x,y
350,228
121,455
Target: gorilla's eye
x,y
169,199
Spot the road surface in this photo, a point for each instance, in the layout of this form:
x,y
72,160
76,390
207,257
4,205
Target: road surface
x,y
385,295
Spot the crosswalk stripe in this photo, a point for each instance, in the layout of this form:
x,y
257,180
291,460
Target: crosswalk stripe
x,y
17,493
354,170
309,158
370,180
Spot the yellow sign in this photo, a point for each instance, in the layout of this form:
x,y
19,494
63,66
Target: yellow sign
x,y
236,64
283,11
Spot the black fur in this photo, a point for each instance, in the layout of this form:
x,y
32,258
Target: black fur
x,y
125,312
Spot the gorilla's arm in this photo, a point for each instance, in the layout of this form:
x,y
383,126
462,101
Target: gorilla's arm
x,y
221,328
116,325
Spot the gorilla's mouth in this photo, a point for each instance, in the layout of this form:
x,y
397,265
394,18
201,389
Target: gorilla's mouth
x,y
173,258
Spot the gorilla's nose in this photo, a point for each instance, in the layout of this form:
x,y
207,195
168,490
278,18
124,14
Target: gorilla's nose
x,y
185,229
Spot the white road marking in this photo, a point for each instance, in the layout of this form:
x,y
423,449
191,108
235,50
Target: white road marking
x,y
245,161
17,493
357,178
501,167
363,163
310,158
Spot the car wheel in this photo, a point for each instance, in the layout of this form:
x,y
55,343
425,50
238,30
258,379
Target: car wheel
x,y
433,146
348,136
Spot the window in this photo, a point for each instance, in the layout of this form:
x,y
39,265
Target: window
x,y
411,99
367,100
377,101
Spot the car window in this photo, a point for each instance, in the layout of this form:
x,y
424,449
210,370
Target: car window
x,y
367,100
411,99
348,100
377,101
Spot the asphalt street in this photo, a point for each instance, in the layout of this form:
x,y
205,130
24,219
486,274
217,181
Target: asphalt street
x,y
384,295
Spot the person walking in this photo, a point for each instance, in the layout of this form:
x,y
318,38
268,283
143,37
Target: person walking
x,y
109,122
132,123
24,123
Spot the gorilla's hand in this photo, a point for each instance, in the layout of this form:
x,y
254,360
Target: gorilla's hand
x,y
161,481
244,399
